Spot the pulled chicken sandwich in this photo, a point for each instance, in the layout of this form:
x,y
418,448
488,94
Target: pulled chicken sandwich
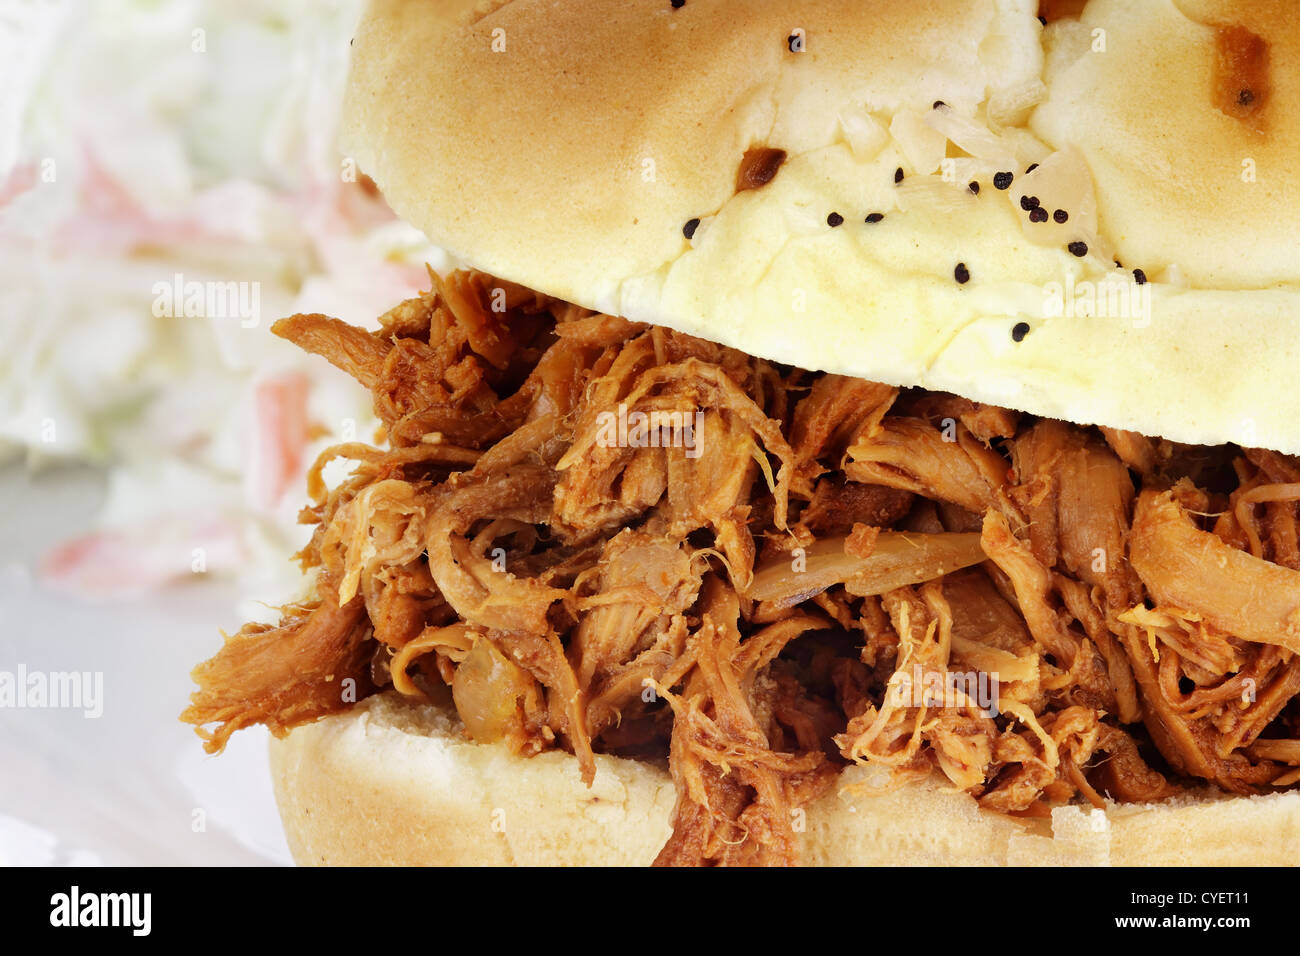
x,y
859,432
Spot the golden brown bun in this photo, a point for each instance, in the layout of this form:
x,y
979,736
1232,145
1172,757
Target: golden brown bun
x,y
565,145
396,783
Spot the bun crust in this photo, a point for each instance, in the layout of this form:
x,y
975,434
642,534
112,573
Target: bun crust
x,y
566,145
1178,179
396,783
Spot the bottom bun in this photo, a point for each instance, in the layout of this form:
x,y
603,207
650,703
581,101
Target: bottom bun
x,y
397,783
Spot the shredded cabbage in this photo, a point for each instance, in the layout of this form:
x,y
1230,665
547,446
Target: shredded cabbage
x,y
149,151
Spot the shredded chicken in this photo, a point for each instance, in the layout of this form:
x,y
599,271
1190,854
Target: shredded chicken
x,y
598,536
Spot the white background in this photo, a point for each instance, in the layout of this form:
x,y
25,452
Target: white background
x,y
121,789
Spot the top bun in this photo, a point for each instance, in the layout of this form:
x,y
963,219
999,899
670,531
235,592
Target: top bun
x,y
565,146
